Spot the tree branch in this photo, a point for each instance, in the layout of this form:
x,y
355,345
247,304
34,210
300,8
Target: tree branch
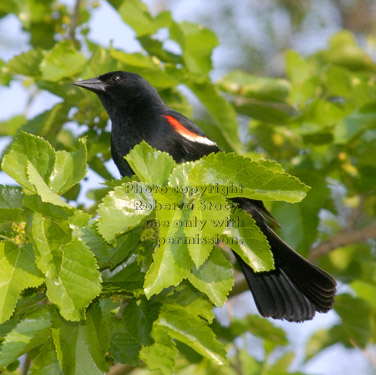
x,y
74,23
356,213
120,369
26,366
29,102
342,239
240,286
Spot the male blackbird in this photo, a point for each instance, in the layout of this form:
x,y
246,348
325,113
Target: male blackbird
x,y
296,289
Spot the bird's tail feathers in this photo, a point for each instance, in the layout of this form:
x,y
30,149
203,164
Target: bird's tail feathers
x,y
295,289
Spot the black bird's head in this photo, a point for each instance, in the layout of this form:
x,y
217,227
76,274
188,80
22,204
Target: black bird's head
x,y
123,91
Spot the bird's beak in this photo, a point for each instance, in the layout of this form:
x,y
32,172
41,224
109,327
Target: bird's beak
x,y
92,84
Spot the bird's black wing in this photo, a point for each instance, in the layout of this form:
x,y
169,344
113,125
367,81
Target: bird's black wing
x,y
193,142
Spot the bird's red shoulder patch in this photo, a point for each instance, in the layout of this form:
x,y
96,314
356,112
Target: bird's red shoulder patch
x,y
184,132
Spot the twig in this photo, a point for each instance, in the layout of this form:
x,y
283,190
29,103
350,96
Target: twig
x,y
74,23
342,239
121,308
356,213
10,239
230,311
120,369
367,353
239,287
26,366
30,100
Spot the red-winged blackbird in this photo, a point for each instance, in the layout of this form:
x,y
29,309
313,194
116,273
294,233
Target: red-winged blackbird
x,y
296,288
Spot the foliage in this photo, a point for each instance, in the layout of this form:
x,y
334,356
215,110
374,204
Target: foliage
x,y
83,288
258,33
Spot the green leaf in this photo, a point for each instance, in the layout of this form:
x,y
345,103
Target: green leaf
x,y
12,125
124,208
220,110
34,164
126,277
265,330
26,63
322,112
77,221
161,355
136,59
139,316
297,68
126,244
206,221
48,237
95,242
269,164
154,47
202,307
197,44
77,282
339,81
343,51
192,331
150,165
109,256
249,364
97,336
193,301
17,272
270,112
101,61
248,85
69,169
136,15
146,66
304,91
354,124
365,290
49,121
317,342
62,61
246,239
11,208
72,278
281,366
180,174
251,179
74,349
5,78
9,6
214,277
171,260
123,346
28,148
33,330
37,20
48,210
300,222
41,188
356,325
46,362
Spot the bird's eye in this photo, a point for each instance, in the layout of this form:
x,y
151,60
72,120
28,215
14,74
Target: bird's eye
x,y
115,78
